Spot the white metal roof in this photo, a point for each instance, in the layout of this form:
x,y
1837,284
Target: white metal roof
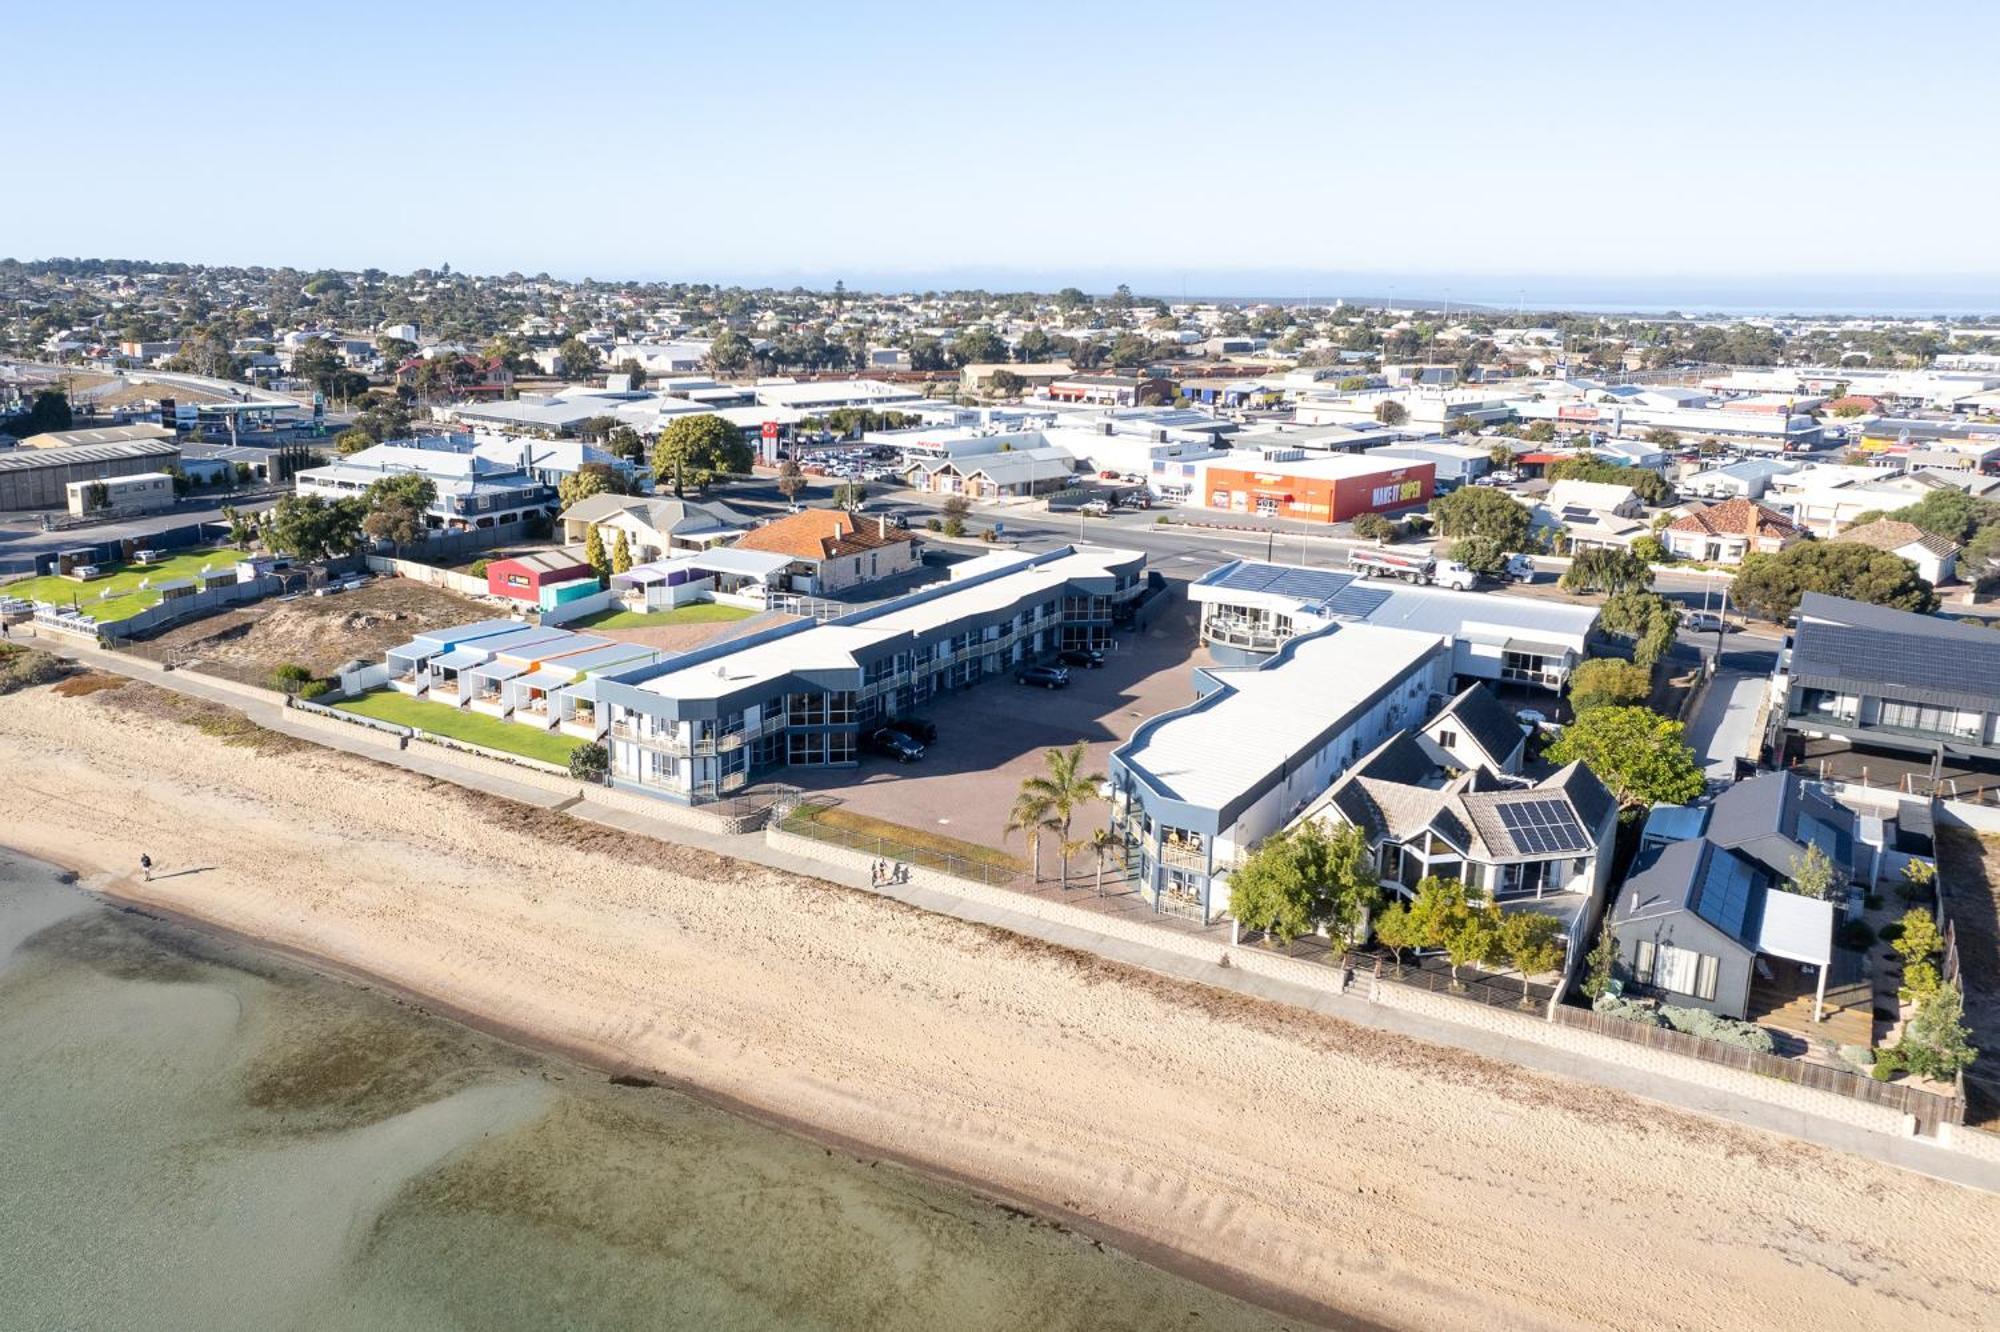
x,y
1796,927
1217,749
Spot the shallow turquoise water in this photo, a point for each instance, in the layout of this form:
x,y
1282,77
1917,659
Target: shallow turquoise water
x,y
195,1135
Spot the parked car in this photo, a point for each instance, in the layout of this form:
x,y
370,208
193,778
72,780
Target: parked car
x,y
1090,657
894,744
1503,477
1096,507
1706,622
1048,677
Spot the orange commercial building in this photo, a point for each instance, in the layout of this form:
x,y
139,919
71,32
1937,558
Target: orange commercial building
x,y
1327,490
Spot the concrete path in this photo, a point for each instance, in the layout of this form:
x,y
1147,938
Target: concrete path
x,y
1921,1155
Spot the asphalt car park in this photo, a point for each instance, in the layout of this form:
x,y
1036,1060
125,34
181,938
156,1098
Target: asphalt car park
x,y
993,734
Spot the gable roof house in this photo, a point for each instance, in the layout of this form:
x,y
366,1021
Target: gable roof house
x,y
1936,558
654,526
832,550
1724,533
1427,811
1706,918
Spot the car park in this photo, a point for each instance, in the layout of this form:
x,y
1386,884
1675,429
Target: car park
x,y
1047,677
892,743
1092,658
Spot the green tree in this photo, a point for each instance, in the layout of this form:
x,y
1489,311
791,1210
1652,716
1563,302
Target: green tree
x,y
353,441
579,358
1270,890
729,353
1647,619
1480,554
1642,757
397,507
1812,873
1651,550
1503,458
1936,1044
850,495
1032,815
1532,942
624,442
1391,413
954,508
1603,964
633,371
621,554
1375,527
590,763
595,556
1540,432
1606,682
1470,935
1006,383
1396,929
1067,787
243,530
1479,511
290,678
313,527
694,450
1919,943
1662,438
1103,842
1609,571
584,482
1770,586
791,478
1916,881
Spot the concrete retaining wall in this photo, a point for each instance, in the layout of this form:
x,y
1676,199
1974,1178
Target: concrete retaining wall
x,y
1319,977
1610,1050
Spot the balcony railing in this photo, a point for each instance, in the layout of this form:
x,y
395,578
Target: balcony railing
x,y
715,744
1182,856
1241,634
1960,735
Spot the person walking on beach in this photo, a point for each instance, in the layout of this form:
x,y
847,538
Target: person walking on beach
x,y
146,867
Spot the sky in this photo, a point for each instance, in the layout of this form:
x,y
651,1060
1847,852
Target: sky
x,y
1485,151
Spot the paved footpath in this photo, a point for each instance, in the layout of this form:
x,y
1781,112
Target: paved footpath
x,y
1919,1154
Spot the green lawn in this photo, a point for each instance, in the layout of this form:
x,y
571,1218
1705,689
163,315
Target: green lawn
x,y
695,612
123,581
475,728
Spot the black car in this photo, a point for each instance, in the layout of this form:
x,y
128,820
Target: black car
x,y
1091,657
895,745
1048,677
917,728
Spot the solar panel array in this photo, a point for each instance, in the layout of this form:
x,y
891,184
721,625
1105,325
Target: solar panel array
x,y
1304,584
1357,600
1723,898
1542,827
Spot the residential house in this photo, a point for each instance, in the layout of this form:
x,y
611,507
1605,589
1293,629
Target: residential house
x,y
832,550
1936,558
1593,515
1724,533
655,527
472,491
1861,676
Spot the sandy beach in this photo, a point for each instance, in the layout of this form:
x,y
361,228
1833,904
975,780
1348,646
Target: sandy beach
x,y
1348,1169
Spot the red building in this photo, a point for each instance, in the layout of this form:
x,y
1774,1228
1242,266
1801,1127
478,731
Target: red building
x,y
1319,489
535,578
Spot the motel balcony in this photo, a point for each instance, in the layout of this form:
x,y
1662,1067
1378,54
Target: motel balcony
x,y
583,724
446,691
685,748
490,702
414,683
1249,635
1183,855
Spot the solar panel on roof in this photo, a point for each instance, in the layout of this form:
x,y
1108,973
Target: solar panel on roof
x,y
1357,601
1280,580
1724,896
1542,827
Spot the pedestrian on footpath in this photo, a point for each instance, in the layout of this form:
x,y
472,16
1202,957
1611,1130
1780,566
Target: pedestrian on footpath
x,y
146,867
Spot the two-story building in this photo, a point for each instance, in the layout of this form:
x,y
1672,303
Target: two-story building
x,y
472,491
1196,788
1869,679
709,722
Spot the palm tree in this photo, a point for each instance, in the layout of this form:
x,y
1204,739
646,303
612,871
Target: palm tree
x,y
1062,790
1101,842
1031,815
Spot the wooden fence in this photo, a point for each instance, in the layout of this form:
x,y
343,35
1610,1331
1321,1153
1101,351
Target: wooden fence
x,y
1929,1108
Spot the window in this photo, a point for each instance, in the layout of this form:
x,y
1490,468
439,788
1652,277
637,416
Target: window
x,y
806,710
1676,970
1449,739
1704,977
840,707
840,747
805,747
1642,966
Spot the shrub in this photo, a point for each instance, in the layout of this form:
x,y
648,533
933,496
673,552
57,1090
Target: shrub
x,y
478,568
1888,1063
590,763
1711,1027
1857,1057
314,688
290,678
934,524
1855,934
1627,1010
23,668
989,536
1891,932
1374,527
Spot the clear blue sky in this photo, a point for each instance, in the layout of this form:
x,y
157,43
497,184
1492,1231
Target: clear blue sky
x,y
1480,143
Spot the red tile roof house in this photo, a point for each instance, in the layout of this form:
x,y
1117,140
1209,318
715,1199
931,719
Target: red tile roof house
x,y
833,550
546,579
1724,533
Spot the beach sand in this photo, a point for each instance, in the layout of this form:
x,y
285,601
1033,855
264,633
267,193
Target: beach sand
x,y
1398,1182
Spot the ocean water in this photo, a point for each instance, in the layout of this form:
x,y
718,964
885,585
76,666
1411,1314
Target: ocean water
x,y
196,1135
